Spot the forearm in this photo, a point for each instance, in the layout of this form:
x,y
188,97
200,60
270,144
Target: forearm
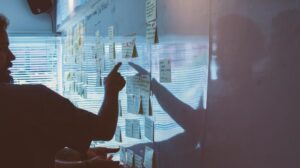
x,y
178,110
108,116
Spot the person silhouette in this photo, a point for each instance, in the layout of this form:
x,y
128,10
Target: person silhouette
x,y
235,107
36,122
188,143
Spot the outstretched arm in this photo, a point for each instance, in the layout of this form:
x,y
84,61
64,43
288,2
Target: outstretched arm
x,y
181,112
108,114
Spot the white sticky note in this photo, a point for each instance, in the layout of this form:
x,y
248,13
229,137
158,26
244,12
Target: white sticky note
x,y
138,161
147,105
123,155
138,108
151,33
148,157
129,49
129,84
149,129
150,10
120,108
112,50
118,134
136,81
131,104
99,80
144,85
130,158
128,128
136,132
165,71
111,33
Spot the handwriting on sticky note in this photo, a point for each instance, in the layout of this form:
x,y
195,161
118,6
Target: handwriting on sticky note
x,y
150,10
151,33
165,71
111,33
112,51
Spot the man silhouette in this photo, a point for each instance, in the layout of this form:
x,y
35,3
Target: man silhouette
x,y
36,122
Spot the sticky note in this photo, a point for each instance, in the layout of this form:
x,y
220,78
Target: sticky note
x,y
99,79
149,158
138,161
150,10
149,129
118,134
129,84
128,128
136,129
151,33
132,128
123,155
130,158
131,104
120,108
112,51
144,85
138,105
165,71
129,49
111,33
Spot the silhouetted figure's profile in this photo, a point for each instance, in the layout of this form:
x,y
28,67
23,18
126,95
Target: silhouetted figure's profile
x,y
36,122
233,110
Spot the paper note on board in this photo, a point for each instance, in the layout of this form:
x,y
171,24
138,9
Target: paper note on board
x,y
118,134
123,155
138,161
112,51
136,131
149,129
111,33
133,129
151,33
165,71
131,104
130,158
150,10
129,49
149,158
128,128
120,108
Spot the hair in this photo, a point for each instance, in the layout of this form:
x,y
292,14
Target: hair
x,y
3,22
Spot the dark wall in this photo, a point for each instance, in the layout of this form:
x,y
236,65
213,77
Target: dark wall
x,y
253,106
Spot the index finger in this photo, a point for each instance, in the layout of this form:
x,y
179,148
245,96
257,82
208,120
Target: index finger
x,y
116,67
138,68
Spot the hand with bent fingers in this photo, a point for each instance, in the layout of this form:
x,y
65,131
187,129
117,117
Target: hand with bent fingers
x,y
114,81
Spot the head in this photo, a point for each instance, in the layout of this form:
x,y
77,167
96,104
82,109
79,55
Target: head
x,y
6,56
239,44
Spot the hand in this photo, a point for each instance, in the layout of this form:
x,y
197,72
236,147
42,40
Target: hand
x,y
139,69
114,81
97,162
68,154
101,152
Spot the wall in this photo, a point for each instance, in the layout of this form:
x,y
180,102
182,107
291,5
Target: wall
x,y
252,115
22,21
